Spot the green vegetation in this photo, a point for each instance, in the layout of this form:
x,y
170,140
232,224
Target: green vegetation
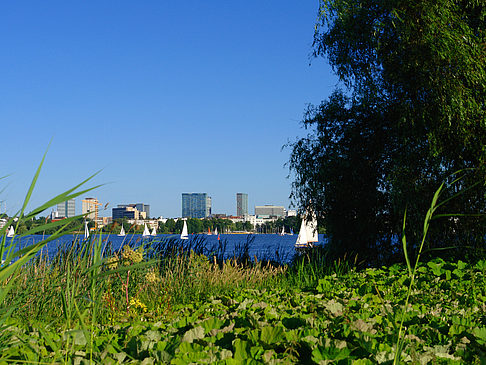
x,y
181,302
411,114
27,225
184,308
196,226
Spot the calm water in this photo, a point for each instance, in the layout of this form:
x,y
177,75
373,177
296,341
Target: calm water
x,y
263,246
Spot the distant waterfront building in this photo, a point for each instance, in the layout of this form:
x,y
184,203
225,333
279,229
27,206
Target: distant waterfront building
x,y
269,211
241,204
90,208
291,213
54,214
196,205
104,221
143,208
142,211
67,209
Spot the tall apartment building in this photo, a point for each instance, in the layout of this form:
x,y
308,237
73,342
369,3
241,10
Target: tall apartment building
x,y
196,205
269,211
241,204
90,208
67,209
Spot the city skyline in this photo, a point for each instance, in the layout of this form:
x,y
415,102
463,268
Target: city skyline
x,y
162,97
118,210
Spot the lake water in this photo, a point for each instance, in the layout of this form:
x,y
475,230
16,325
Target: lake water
x,y
263,246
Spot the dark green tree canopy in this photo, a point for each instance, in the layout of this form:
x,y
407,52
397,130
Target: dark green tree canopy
x,y
412,113
426,59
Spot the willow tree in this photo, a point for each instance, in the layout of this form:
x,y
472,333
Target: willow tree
x,y
412,112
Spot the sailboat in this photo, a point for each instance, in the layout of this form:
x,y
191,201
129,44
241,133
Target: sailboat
x,y
86,230
122,231
184,234
282,233
308,231
154,232
145,231
209,232
11,231
216,231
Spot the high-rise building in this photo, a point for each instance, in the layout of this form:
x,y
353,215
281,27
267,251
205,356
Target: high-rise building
x,y
90,208
196,205
67,209
241,204
269,211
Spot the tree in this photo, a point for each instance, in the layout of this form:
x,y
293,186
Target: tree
x,y
413,113
170,225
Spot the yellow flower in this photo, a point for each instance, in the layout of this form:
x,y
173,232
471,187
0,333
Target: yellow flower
x,y
152,277
137,304
112,262
130,256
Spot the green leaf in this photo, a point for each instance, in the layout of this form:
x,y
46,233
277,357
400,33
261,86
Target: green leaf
x,y
196,333
480,334
241,349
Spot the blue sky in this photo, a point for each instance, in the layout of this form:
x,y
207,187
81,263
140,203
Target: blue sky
x,y
165,97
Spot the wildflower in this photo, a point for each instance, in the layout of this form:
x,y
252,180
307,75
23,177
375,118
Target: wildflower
x,y
152,277
138,304
112,262
131,256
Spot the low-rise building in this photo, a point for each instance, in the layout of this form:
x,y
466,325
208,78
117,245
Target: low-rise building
x,y
129,211
269,211
291,213
151,223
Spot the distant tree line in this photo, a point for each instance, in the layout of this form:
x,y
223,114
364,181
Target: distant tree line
x,y
197,226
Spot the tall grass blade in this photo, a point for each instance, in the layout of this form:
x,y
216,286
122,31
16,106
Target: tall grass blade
x,y
404,244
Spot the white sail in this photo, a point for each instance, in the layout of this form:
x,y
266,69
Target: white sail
x,y
11,231
145,231
302,237
86,230
308,231
216,231
154,232
184,234
122,231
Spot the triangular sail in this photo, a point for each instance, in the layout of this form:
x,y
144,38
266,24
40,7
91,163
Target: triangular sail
x,y
184,234
154,232
86,230
302,237
11,231
122,231
145,231
216,231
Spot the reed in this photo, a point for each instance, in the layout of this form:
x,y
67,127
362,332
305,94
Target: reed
x,y
412,270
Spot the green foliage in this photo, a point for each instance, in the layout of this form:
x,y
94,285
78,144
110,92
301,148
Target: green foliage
x,y
350,318
413,115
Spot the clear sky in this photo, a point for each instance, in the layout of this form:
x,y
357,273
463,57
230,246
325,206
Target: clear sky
x,y
165,97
